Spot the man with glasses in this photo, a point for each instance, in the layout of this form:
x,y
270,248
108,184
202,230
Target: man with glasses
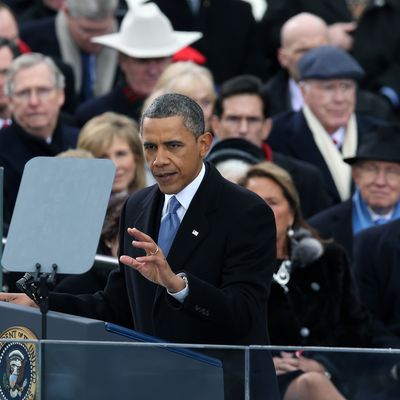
x,y
67,36
241,122
326,128
35,89
376,199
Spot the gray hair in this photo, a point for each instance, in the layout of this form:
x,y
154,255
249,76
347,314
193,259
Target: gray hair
x,y
30,60
174,104
92,9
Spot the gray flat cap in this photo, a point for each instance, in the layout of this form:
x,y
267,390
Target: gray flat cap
x,y
329,62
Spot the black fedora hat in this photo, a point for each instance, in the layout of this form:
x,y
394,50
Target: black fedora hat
x,y
382,143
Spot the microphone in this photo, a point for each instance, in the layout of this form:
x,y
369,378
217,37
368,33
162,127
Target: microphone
x,y
305,248
27,285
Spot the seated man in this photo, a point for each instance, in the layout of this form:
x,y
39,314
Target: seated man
x,y
376,173
326,129
143,56
242,112
67,37
35,87
299,34
367,29
376,259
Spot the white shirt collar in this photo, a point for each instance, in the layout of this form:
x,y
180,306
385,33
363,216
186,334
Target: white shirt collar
x,y
338,137
375,216
6,121
186,195
296,98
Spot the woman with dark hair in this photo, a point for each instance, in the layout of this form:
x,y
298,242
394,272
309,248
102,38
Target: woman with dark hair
x,y
313,300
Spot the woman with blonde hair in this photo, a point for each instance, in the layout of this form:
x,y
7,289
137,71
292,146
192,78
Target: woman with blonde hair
x,y
116,137
189,79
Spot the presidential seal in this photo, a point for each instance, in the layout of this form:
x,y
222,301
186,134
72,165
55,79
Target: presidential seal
x,y
18,374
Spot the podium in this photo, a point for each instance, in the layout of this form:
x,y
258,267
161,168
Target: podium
x,y
90,359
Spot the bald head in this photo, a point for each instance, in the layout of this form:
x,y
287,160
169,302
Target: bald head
x,y
8,24
299,34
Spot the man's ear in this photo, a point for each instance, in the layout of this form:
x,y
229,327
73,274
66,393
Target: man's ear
x,y
303,88
122,62
282,57
206,140
267,126
355,174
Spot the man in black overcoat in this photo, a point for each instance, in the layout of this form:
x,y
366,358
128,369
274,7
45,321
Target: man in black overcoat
x,y
212,285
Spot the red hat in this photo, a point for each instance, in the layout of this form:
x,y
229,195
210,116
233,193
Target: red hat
x,y
189,54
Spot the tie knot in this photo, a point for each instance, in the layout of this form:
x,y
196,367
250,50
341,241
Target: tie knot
x,y
380,221
173,205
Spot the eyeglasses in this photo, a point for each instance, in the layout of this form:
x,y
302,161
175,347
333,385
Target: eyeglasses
x,y
372,171
42,93
236,120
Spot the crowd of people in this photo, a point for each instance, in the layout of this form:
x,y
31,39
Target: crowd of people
x,y
254,161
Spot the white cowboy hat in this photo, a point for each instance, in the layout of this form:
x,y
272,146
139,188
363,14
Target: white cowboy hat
x,y
147,33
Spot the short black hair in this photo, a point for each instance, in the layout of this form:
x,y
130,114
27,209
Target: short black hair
x,y
175,104
242,84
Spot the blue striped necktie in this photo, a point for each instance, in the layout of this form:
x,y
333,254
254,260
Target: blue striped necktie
x,y
169,225
380,221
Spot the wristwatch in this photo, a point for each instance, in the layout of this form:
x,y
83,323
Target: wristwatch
x,y
184,277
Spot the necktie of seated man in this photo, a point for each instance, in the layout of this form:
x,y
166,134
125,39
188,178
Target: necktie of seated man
x,y
88,75
169,225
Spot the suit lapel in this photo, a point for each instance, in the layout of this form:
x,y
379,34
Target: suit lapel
x,y
196,223
148,219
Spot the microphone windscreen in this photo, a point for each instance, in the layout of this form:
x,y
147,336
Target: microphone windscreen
x,y
306,251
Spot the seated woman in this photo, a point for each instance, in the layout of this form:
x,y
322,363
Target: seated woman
x,y
313,300
115,137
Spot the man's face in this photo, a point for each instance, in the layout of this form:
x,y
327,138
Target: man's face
x,y
84,29
242,117
35,102
142,74
8,25
172,152
290,55
6,58
379,184
332,101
